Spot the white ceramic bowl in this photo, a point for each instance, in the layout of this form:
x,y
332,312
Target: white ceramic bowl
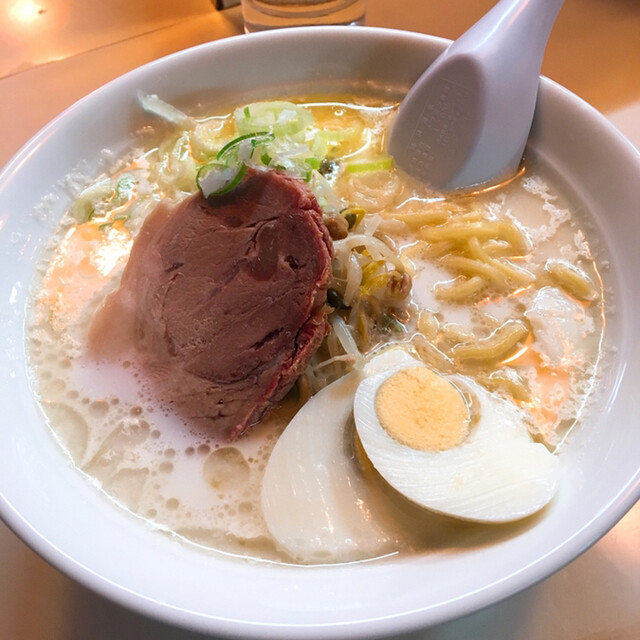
x,y
63,517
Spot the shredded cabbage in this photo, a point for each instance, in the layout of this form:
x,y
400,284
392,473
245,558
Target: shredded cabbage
x,y
151,103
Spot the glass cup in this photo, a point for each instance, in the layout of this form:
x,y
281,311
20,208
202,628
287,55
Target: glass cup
x,y
271,14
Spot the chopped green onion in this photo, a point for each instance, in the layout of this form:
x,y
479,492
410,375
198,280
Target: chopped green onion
x,y
381,163
215,179
260,141
265,159
125,188
265,136
314,163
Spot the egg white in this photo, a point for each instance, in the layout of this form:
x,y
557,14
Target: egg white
x,y
315,501
313,496
497,474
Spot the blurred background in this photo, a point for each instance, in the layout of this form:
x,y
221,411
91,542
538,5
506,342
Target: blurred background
x,y
53,52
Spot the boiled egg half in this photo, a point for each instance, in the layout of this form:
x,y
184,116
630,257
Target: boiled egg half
x,y
449,445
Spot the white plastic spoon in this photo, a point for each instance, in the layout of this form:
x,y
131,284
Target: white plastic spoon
x,y
465,122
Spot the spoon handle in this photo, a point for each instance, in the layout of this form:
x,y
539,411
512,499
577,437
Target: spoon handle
x,y
523,26
466,120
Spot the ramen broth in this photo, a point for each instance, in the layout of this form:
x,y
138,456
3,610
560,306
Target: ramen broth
x,y
176,475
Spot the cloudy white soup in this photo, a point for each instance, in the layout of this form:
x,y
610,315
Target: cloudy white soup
x,y
255,333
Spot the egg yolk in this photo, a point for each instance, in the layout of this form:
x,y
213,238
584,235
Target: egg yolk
x,y
422,410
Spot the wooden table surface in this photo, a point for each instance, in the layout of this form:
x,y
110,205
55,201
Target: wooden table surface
x,y
53,52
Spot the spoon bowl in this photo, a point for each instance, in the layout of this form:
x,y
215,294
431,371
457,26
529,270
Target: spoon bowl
x,y
466,121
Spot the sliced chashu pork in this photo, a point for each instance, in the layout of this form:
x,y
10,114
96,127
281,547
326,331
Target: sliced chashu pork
x,y
223,301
